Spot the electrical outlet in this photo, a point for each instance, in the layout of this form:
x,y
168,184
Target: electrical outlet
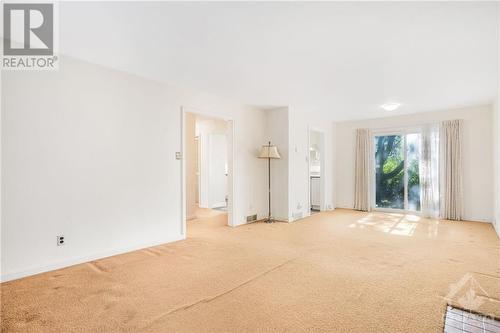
x,y
299,205
60,241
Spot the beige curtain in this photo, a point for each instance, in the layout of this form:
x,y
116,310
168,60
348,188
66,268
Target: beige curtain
x,y
451,170
362,170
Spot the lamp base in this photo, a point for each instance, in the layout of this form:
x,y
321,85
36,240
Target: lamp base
x,y
269,219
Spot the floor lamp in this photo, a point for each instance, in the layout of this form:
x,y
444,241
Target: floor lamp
x,y
269,152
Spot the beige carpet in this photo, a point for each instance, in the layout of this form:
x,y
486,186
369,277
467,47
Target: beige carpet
x,y
342,271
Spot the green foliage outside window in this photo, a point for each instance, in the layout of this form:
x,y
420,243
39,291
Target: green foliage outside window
x,y
389,173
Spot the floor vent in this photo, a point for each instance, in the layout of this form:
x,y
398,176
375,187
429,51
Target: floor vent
x,y
252,218
460,321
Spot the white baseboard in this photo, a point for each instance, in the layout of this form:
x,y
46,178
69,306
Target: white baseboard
x,y
81,260
219,204
477,220
496,226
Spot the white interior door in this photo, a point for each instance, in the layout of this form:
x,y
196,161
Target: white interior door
x,y
197,179
217,170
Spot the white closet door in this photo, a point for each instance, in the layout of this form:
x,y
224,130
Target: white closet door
x,y
217,170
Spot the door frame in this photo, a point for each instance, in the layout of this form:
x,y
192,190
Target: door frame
x,y
230,162
388,132
198,168
322,173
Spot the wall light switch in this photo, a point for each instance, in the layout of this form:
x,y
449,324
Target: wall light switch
x,y
178,155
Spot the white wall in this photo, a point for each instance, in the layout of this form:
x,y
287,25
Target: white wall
x,y
277,132
496,131
300,121
288,128
89,153
477,147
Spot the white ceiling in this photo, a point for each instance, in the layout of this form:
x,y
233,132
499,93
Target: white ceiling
x,y
341,59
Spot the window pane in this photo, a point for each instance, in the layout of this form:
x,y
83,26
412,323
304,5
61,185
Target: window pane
x,y
389,171
413,155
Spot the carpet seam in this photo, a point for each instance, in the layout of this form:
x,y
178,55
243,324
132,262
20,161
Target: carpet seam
x,y
212,298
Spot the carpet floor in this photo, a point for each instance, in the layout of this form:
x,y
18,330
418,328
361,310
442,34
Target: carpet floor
x,y
341,271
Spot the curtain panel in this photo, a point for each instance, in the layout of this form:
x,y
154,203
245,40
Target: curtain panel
x,y
451,169
362,171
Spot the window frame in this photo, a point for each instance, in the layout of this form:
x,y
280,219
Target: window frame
x,y
400,131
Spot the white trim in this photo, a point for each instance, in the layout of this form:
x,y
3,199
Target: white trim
x,y
399,131
67,263
183,175
198,168
405,172
231,166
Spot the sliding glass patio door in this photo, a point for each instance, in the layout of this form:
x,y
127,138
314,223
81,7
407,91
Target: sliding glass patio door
x,y
396,168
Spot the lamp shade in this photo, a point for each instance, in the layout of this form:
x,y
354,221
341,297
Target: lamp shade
x,y
269,151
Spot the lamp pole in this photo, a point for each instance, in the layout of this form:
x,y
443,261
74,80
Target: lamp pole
x,y
269,183
268,151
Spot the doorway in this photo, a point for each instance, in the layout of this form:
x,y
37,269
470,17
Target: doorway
x,y
207,170
396,171
316,171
